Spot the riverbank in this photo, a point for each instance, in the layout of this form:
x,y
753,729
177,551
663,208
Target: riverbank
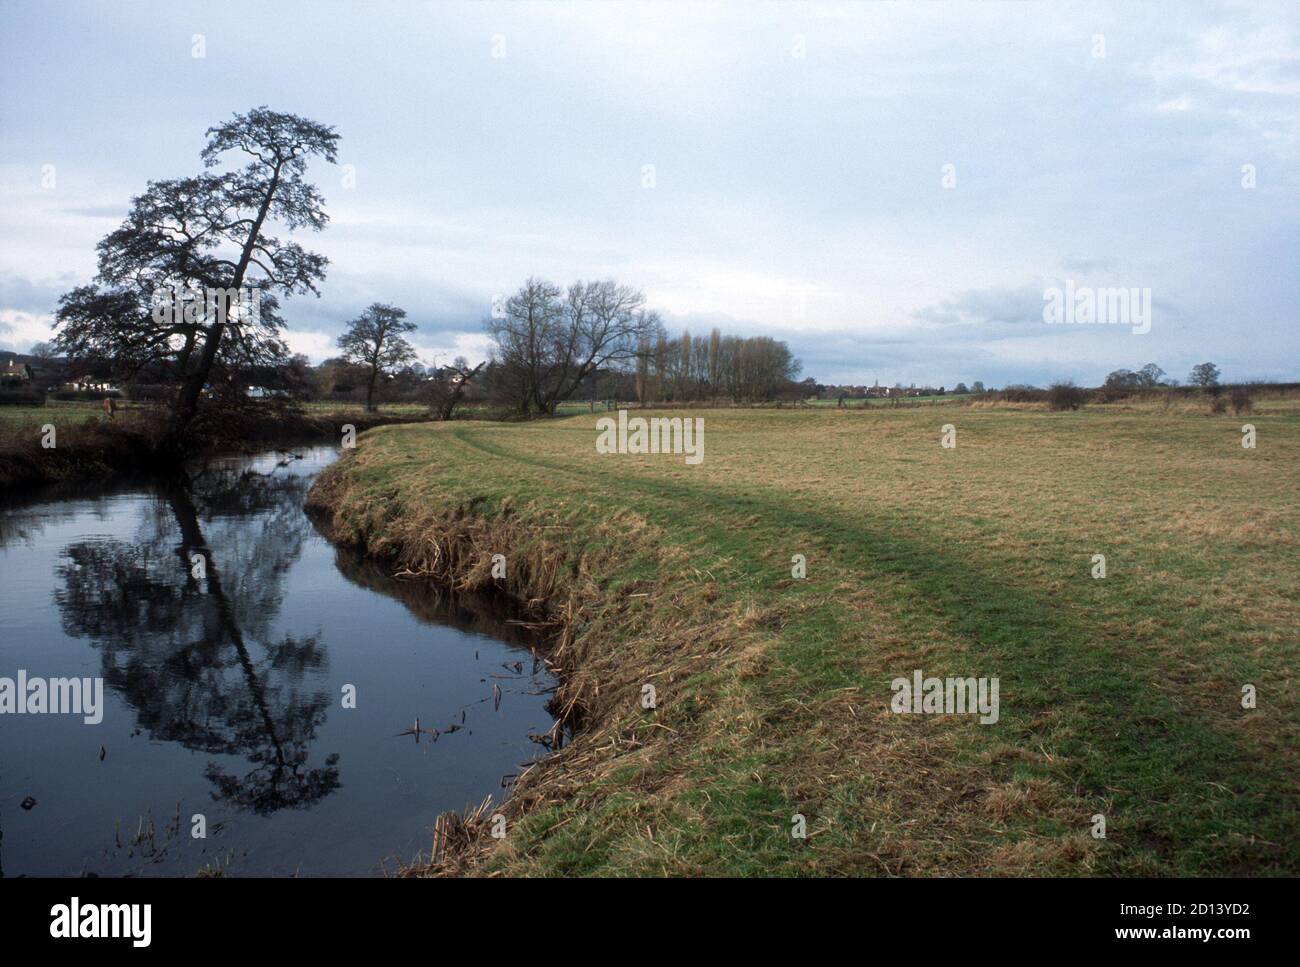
x,y
85,445
722,704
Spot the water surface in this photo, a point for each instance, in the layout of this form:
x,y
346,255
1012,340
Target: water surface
x,y
226,628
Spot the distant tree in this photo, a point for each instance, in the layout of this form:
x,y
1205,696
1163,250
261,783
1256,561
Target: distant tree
x,y
660,366
524,335
642,369
1204,374
376,340
977,386
1150,375
209,232
715,344
297,377
755,368
42,350
450,385
291,378
336,376
547,341
960,389
684,366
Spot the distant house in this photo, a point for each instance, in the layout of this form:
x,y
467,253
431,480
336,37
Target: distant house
x,y
87,384
262,393
14,373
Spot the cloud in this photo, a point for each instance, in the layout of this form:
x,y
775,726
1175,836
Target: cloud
x,y
20,330
1242,60
113,212
22,293
1088,266
312,343
1245,74
439,348
985,308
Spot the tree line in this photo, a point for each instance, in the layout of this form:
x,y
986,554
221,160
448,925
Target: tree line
x,y
550,344
1151,376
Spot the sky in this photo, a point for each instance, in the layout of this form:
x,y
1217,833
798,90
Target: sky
x,y
892,189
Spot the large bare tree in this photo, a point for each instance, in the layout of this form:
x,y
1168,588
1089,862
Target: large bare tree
x,y
547,341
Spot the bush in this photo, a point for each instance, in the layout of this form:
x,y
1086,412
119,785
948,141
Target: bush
x,y
1241,400
1220,405
1021,394
1066,396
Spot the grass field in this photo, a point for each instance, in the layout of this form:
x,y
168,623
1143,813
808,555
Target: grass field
x,y
56,411
1120,697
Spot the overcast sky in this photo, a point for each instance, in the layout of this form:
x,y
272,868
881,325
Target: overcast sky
x,y
798,155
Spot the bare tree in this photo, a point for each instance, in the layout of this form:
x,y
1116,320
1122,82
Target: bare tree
x,y
715,363
642,370
684,366
524,334
547,341
448,392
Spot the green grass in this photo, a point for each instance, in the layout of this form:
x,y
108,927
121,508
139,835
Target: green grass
x,y
80,410
54,411
385,409
1119,696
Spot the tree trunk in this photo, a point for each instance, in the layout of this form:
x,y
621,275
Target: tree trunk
x,y
188,402
449,407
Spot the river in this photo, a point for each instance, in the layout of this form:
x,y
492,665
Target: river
x,y
229,634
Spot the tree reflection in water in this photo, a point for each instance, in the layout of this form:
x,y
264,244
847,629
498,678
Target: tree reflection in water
x,y
193,654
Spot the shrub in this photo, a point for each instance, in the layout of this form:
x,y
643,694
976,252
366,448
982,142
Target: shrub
x,y
1066,396
1016,393
1241,400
